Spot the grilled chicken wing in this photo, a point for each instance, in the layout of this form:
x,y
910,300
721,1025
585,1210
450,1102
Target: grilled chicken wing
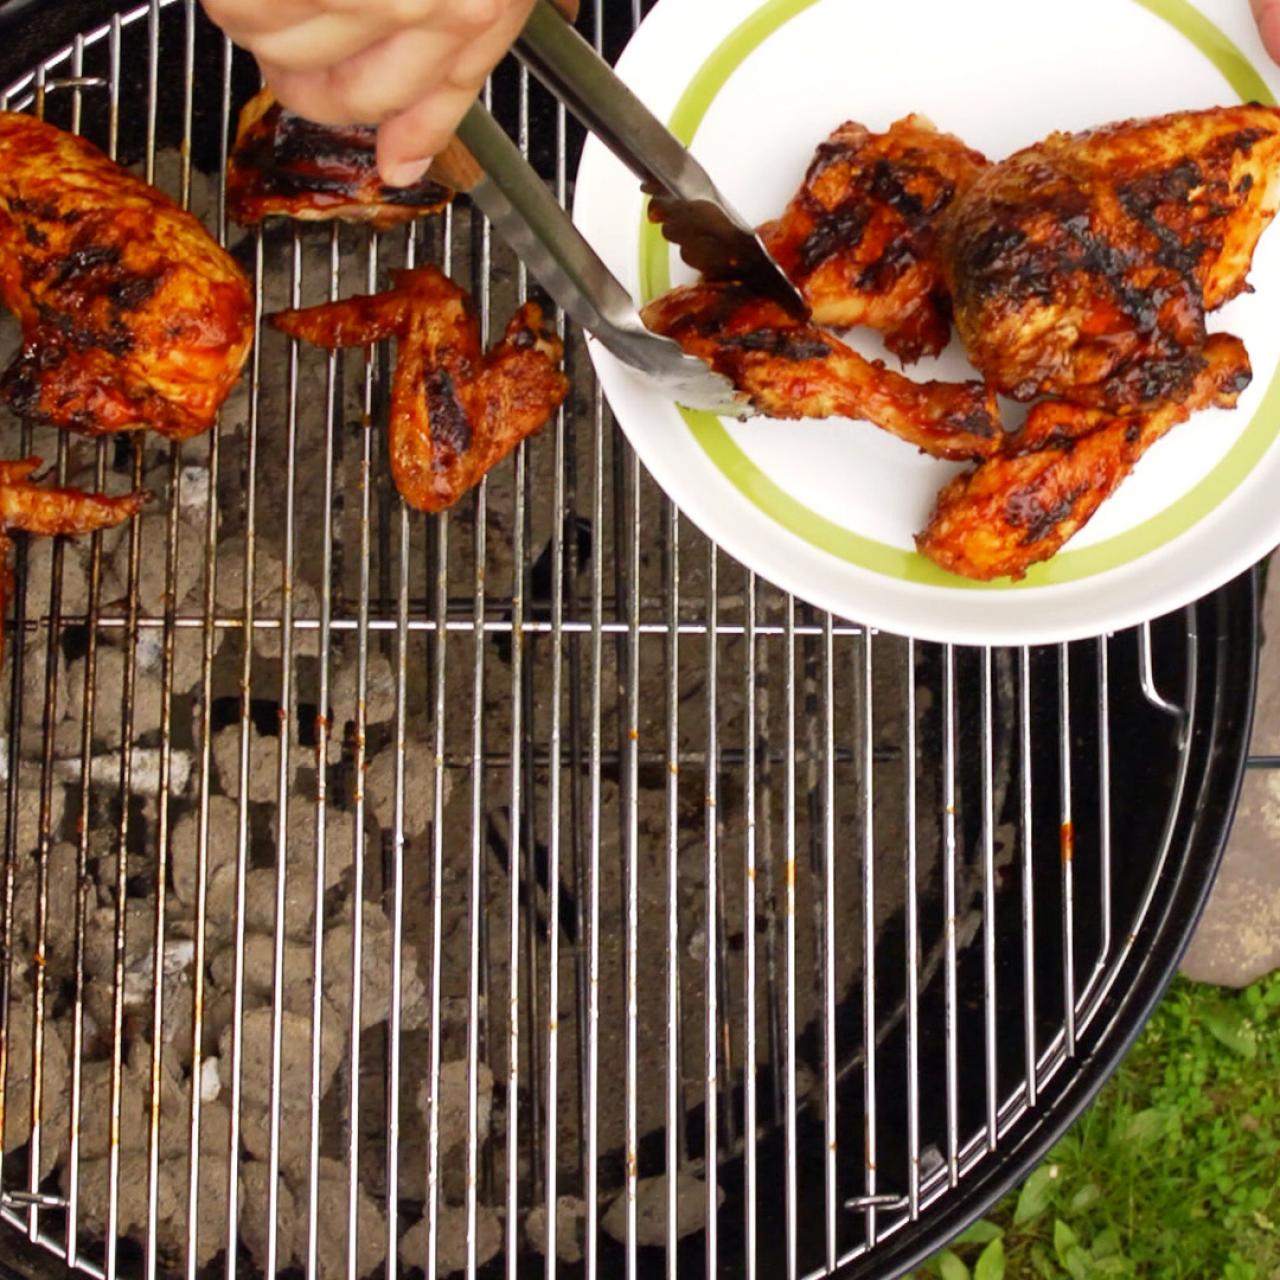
x,y
283,164
455,411
1083,267
132,316
1012,512
859,239
789,369
30,507
27,506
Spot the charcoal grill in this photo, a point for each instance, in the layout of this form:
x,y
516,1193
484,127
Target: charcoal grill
x,y
841,928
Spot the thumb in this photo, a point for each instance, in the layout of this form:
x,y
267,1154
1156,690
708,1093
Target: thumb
x,y
1267,13
408,142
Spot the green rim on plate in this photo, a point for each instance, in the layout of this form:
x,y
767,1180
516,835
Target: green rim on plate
x,y
879,557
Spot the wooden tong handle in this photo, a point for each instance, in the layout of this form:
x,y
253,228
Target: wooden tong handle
x,y
455,166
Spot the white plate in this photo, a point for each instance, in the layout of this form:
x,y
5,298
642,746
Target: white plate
x,y
827,510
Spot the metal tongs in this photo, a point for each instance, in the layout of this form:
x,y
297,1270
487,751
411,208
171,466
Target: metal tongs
x,y
713,238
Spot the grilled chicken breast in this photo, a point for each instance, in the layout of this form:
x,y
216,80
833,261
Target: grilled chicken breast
x,y
1079,272
132,316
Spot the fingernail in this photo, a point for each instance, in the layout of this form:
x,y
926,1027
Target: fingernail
x,y
406,173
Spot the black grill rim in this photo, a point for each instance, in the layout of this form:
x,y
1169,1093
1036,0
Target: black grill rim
x,y
1229,631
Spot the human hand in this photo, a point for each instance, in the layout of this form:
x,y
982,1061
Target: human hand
x,y
1267,12
412,67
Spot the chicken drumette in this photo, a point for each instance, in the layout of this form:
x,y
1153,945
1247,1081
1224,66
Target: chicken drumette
x,y
132,316
455,410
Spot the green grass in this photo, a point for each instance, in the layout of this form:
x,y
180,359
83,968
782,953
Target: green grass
x,y
1173,1172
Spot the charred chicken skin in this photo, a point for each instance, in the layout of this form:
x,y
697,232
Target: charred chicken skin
x,y
1083,267
132,316
859,239
1014,511
790,369
456,411
283,164
32,508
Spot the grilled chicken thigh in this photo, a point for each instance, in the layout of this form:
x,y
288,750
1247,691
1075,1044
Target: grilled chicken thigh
x,y
283,164
132,316
859,239
1083,267
455,411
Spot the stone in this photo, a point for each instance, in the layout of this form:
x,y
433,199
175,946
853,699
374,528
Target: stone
x,y
110,664
259,972
263,775
220,850
153,569
35,663
60,910
299,902
295,1058
375,966
55,1088
95,1111
74,593
379,691
215,1126
306,640
651,1210
419,787
220,907
451,1240
1238,938
339,847
255,1184
571,1215
229,593
455,1105
188,663
145,775
211,1208
293,1149
27,812
331,1219
100,938
132,1209
1266,720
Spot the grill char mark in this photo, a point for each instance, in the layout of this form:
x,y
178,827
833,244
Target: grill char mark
x,y
1024,510
450,425
290,157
